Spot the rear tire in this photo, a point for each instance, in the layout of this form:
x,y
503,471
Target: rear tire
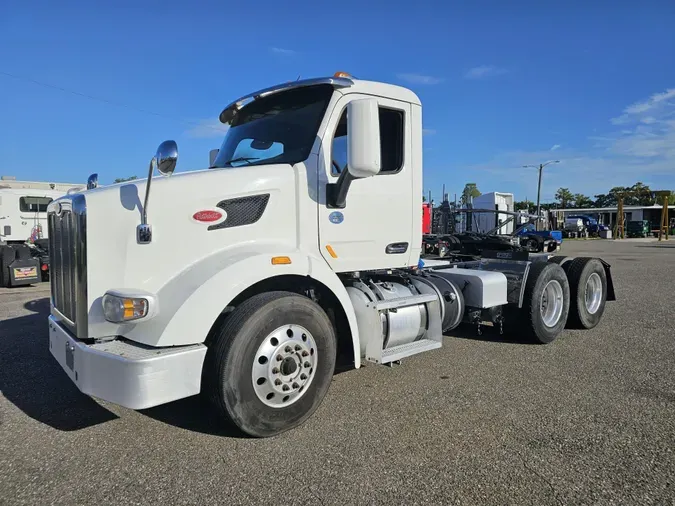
x,y
588,288
546,303
7,256
239,372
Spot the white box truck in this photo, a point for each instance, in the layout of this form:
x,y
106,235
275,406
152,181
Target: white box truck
x,y
245,281
489,221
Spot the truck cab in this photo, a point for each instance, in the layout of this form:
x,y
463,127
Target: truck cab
x,y
245,281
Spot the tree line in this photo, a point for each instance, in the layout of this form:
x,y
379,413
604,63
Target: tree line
x,y
565,199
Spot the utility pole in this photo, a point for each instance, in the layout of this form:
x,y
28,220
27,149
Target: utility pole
x,y
541,169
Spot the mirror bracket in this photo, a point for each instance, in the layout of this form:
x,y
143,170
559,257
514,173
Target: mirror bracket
x,y
336,193
165,162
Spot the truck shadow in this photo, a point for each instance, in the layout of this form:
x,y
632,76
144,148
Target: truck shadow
x,y
196,415
489,334
32,381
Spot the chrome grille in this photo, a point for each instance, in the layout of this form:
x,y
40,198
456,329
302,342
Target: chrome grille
x,y
66,220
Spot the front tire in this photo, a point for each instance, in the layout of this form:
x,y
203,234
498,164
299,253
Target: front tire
x,y
271,363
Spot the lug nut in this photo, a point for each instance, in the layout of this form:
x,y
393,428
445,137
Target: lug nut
x,y
304,354
285,388
277,382
288,349
298,347
307,364
279,358
295,385
275,370
303,376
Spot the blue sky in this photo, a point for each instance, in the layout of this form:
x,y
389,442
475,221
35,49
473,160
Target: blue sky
x,y
503,84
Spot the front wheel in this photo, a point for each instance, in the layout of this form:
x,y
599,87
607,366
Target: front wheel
x,y
271,363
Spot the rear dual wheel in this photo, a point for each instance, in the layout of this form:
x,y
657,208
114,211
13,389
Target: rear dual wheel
x,y
588,285
546,303
271,363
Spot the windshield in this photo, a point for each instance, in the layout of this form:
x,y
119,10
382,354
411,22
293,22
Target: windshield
x,y
280,128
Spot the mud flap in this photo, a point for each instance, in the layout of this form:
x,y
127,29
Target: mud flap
x,y
610,282
24,272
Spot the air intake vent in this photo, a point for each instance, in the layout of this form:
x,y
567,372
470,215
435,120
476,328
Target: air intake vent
x,y
242,211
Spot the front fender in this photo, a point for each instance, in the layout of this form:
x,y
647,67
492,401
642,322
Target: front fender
x,y
192,301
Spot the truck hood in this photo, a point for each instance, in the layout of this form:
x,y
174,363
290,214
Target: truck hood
x,y
180,237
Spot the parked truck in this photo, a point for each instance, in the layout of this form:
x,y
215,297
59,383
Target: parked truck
x,y
24,256
247,281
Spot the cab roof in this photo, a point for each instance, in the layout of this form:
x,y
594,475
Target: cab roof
x,y
339,81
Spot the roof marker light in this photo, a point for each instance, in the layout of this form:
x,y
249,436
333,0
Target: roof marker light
x,y
341,74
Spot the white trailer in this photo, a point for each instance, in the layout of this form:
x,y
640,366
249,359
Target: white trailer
x,y
247,281
23,213
499,202
23,223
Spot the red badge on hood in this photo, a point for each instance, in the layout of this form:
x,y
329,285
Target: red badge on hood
x,y
207,216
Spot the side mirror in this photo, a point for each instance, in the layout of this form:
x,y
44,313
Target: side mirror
x,y
92,182
165,160
166,157
363,149
363,139
212,156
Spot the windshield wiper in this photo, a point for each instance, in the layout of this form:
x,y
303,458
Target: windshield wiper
x,y
246,159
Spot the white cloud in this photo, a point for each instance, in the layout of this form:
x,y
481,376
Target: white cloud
x,y
484,71
208,128
419,79
657,101
428,131
641,150
283,51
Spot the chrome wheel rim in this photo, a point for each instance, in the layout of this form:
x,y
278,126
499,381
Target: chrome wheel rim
x,y
551,305
593,293
284,366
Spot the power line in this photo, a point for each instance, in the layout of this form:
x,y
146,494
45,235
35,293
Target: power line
x,y
104,100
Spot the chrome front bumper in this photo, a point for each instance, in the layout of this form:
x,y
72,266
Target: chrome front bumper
x,y
126,373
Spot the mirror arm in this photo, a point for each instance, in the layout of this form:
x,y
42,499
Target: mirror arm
x,y
144,215
336,193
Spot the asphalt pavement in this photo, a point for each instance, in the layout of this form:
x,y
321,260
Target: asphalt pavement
x,y
587,419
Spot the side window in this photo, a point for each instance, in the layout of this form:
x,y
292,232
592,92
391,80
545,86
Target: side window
x,y
391,142
34,204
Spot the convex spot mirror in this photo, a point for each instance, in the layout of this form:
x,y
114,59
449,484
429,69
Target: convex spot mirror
x,y
166,157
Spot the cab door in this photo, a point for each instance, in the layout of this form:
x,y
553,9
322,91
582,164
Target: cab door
x,y
374,229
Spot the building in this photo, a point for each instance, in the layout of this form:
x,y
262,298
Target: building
x,y
607,215
10,182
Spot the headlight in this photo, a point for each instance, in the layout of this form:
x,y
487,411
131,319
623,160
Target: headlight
x,y
120,309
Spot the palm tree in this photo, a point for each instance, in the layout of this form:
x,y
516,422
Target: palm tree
x,y
564,196
470,192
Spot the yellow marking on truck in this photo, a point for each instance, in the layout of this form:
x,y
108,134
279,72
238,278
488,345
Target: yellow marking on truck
x,y
281,260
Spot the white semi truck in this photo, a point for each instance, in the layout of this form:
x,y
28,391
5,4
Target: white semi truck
x,y
247,280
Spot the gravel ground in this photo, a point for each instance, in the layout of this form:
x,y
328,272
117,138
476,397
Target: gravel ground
x,y
588,419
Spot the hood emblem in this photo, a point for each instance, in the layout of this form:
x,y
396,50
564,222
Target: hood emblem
x,y
209,216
